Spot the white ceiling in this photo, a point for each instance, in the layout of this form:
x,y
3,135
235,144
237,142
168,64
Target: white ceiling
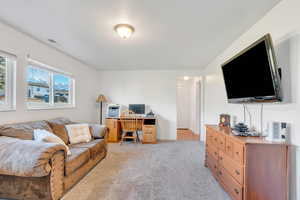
x,y
170,34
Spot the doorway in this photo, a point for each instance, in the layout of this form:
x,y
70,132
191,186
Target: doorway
x,y
188,103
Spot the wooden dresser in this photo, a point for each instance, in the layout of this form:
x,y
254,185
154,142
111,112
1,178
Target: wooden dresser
x,y
248,168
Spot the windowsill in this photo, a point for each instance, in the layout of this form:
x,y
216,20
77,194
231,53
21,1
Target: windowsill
x,y
56,107
7,109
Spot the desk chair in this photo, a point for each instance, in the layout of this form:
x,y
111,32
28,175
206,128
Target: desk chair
x,y
129,124
140,123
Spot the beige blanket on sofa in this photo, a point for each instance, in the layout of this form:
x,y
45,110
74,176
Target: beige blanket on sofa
x,y
26,158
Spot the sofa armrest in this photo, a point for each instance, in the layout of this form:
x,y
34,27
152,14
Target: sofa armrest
x,y
57,175
106,135
27,158
98,131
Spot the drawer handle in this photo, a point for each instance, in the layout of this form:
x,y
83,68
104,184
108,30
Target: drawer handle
x,y
220,173
237,172
221,142
228,147
221,158
236,191
215,139
216,153
237,153
215,166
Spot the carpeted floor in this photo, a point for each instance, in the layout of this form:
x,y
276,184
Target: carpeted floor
x,y
164,171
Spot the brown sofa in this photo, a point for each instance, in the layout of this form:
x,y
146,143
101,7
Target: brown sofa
x,y
59,171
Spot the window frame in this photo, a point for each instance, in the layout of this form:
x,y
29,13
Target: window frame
x,y
10,83
52,71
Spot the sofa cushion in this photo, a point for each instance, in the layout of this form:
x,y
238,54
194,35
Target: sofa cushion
x,y
59,129
78,157
23,130
60,120
95,147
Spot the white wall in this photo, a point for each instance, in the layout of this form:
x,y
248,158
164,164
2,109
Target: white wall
x,y
21,45
156,89
283,22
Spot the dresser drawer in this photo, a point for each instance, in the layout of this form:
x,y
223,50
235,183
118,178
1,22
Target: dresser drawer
x,y
215,139
148,128
212,165
238,152
209,138
213,151
236,170
148,138
147,132
230,185
221,142
229,147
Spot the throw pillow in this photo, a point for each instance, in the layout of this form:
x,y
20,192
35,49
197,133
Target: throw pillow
x,y
41,135
60,131
97,131
78,133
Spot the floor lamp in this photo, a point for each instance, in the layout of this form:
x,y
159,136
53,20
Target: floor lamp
x,y
101,99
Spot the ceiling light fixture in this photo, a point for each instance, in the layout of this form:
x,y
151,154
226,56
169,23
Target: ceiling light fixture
x,y
186,78
124,30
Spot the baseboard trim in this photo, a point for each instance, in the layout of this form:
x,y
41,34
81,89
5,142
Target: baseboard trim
x,y
166,140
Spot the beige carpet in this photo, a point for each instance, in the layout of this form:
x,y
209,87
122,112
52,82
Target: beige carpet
x,y
164,171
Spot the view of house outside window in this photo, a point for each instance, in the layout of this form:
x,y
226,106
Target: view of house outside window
x,y
7,81
2,79
48,88
38,89
61,88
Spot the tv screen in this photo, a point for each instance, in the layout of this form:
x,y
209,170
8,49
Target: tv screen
x,y
252,75
137,108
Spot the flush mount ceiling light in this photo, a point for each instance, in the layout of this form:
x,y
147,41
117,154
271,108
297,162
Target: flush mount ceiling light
x,y
124,30
186,78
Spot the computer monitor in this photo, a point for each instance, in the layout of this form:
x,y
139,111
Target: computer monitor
x,y
137,108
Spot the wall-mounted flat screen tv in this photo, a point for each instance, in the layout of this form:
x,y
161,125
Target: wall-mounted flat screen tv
x,y
252,76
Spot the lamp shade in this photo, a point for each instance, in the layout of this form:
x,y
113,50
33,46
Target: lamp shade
x,y
101,98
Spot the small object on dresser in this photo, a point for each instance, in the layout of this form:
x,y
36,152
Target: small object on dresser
x,y
241,127
277,131
224,120
150,114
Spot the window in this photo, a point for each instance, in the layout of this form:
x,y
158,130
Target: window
x,y
2,78
7,81
61,88
48,87
38,84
